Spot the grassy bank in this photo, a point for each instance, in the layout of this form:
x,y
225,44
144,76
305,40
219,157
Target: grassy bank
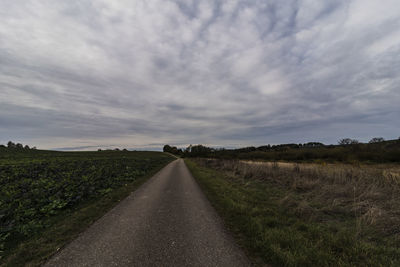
x,y
48,198
313,215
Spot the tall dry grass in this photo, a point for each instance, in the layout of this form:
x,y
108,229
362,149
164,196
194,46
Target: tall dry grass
x,y
369,195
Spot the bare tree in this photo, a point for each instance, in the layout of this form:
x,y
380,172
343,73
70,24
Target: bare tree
x,y
348,141
376,140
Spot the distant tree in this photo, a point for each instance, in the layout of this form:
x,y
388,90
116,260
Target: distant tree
x,y
199,150
376,140
264,148
99,149
172,150
313,144
10,144
348,141
26,147
116,149
19,146
246,149
189,149
125,150
176,150
344,141
167,148
34,148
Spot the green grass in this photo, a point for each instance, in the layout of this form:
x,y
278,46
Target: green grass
x,y
48,198
277,233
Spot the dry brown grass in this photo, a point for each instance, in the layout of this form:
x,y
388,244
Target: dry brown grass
x,y
369,194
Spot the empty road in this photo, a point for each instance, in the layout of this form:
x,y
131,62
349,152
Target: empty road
x,y
166,222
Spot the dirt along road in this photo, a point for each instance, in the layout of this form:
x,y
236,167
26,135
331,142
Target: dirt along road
x,y
167,222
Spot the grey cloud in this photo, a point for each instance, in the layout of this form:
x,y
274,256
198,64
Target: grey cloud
x,y
78,74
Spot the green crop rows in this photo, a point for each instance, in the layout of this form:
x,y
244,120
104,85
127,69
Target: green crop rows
x,y
37,185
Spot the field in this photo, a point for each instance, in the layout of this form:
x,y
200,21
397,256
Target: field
x,y
47,197
290,214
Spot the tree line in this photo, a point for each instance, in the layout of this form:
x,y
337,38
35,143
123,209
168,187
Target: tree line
x,y
347,150
16,146
196,149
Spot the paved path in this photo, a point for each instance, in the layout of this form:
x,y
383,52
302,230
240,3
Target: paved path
x,y
166,222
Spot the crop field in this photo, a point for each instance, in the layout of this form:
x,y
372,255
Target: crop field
x,y
38,186
290,214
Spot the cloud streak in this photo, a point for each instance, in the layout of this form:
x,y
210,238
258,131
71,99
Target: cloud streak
x,y
226,73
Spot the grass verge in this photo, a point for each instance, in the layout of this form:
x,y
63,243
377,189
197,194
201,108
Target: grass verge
x,y
280,225
67,225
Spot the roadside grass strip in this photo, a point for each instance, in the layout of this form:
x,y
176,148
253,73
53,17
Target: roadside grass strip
x,y
280,225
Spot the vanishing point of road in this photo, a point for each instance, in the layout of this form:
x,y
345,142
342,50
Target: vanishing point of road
x,y
166,222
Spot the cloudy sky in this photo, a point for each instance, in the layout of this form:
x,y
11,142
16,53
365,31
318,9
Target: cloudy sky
x,y
138,74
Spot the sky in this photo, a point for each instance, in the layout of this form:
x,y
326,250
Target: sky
x,y
82,75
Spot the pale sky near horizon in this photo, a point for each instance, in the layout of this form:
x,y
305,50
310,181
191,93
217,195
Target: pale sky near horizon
x,y
139,74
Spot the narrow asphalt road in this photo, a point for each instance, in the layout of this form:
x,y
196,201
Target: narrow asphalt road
x,y
167,222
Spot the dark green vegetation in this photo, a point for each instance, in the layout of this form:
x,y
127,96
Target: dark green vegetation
x,y
348,150
307,214
12,147
47,197
172,149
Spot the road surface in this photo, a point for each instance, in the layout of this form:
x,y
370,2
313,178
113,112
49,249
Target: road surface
x,y
166,222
